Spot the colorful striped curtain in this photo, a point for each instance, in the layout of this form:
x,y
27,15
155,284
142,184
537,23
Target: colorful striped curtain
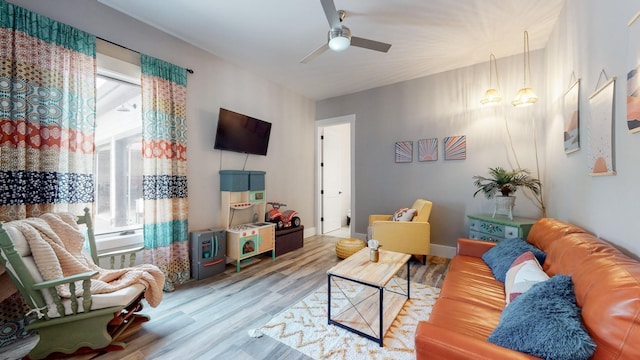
x,y
164,147
47,115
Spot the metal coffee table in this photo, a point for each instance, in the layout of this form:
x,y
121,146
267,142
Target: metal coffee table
x,y
365,314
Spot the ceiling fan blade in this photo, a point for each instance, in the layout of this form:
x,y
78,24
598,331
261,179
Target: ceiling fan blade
x,y
370,44
331,13
315,53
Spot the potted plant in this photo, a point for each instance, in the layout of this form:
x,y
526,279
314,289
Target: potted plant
x,y
501,181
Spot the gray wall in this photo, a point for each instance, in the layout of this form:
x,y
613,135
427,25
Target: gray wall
x,y
590,36
438,106
215,83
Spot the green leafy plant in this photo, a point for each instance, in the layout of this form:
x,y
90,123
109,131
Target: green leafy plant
x,y
505,182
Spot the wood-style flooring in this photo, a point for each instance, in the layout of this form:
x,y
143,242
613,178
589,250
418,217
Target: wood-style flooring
x,y
211,318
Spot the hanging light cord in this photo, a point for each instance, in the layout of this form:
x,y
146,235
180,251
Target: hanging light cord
x,y
492,59
527,60
538,198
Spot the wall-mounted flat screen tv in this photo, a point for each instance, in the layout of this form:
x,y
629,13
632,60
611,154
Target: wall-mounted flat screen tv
x,y
242,133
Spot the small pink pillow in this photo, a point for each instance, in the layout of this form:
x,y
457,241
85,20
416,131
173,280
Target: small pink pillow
x,y
525,271
404,214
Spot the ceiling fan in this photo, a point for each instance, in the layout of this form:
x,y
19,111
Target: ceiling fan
x,y
339,36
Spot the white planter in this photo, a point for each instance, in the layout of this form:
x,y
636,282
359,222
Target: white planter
x,y
504,206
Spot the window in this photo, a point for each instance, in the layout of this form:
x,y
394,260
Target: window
x,y
118,168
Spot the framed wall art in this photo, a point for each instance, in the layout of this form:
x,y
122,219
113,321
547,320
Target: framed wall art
x,y
571,113
633,75
601,160
428,149
404,151
455,147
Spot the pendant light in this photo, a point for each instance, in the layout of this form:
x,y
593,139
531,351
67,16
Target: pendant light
x,y
525,96
492,95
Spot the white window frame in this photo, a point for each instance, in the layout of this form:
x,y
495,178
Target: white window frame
x,y
124,65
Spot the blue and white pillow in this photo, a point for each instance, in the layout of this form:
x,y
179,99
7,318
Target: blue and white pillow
x,y
545,322
500,257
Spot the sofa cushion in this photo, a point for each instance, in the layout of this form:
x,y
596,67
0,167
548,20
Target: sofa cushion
x,y
606,285
546,231
522,275
500,257
545,322
607,289
474,289
469,279
470,265
473,320
404,214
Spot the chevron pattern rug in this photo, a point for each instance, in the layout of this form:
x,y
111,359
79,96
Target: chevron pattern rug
x,y
304,326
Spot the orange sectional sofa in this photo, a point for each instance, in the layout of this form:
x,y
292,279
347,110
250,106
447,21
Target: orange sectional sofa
x,y
606,284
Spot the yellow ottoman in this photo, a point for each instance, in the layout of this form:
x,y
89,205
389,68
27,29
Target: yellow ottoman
x,y
348,247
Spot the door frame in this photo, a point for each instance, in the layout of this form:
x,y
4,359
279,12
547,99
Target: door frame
x,y
347,119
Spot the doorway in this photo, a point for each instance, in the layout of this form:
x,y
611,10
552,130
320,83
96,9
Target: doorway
x,y
334,162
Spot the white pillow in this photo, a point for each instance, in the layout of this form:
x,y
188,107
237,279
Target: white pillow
x,y
20,243
525,271
404,214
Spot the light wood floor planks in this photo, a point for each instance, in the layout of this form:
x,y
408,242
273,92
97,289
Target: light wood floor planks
x,y
210,318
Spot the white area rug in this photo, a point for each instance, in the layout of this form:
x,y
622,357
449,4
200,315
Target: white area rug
x,y
304,326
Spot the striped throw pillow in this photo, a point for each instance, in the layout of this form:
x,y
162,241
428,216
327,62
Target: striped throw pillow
x,y
525,271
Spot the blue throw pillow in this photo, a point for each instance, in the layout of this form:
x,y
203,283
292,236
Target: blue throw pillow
x,y
545,322
500,257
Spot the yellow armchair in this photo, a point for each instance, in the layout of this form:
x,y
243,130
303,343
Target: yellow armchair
x,y
409,237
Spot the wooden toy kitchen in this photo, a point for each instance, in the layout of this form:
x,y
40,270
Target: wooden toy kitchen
x,y
243,205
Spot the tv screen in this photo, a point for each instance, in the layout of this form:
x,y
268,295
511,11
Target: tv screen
x,y
241,133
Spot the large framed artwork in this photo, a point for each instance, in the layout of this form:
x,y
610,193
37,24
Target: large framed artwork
x,y
601,159
633,75
455,147
571,113
404,151
428,149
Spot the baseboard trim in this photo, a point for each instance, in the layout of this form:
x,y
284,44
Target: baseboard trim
x,y
309,231
360,236
435,249
443,251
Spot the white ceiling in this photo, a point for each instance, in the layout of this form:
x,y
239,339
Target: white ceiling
x,y
270,38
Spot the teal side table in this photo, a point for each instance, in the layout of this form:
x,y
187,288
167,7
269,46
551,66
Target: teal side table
x,y
488,228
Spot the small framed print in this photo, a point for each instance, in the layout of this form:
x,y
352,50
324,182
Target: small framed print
x,y
601,159
571,115
404,151
455,147
428,149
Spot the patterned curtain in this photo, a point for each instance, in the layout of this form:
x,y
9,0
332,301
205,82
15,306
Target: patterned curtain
x,y
164,147
47,115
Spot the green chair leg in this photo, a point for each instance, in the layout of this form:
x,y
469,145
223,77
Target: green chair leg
x,y
68,337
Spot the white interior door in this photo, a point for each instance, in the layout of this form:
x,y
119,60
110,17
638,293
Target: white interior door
x,y
331,180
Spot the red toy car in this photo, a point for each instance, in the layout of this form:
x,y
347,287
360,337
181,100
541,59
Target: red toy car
x,y
284,219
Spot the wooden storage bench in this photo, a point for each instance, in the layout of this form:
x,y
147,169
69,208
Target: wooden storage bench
x,y
289,239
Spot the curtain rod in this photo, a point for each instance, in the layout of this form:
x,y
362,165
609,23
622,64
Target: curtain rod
x,y
135,51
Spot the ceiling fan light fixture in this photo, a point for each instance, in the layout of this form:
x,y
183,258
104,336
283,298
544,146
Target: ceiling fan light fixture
x,y
339,39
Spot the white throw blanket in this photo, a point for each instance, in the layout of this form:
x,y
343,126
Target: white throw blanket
x,y
57,247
